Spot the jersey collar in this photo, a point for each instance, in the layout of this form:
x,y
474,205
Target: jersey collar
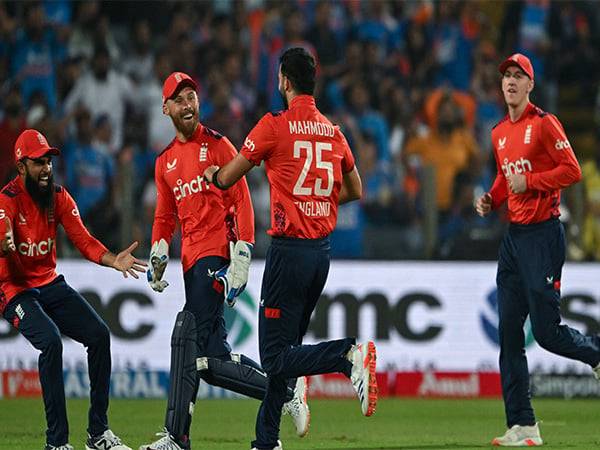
x,y
303,100
530,106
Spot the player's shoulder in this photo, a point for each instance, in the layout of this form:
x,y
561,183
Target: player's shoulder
x,y
167,148
500,123
213,134
11,190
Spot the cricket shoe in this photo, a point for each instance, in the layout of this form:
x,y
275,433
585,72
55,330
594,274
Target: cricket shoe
x,y
297,408
520,436
106,441
60,447
279,446
597,372
165,442
363,358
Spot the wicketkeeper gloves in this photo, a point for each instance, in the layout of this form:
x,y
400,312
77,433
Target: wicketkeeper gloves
x,y
234,276
159,257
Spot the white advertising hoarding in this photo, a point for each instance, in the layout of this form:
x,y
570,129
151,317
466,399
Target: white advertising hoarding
x,y
420,314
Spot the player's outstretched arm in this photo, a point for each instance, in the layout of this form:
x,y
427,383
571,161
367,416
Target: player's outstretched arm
x,y
226,176
125,262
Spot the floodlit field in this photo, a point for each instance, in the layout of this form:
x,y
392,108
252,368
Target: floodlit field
x,y
397,424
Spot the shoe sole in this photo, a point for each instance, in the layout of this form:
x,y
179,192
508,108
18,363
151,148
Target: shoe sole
x,y
523,443
371,361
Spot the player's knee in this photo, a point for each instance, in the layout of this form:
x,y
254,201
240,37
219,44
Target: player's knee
x,y
545,335
52,343
100,335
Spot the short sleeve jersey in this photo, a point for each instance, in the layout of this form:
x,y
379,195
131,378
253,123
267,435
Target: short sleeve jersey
x,y
305,158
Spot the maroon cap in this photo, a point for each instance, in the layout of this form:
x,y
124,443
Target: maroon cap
x,y
520,61
174,81
32,144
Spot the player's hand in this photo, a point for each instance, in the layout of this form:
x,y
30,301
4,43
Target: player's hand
x,y
234,276
517,183
8,242
209,173
126,263
159,257
483,205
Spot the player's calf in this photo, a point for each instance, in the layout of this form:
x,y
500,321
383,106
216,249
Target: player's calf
x,y
363,358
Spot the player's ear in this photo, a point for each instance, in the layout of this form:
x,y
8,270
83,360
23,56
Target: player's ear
x,y
530,86
165,109
21,167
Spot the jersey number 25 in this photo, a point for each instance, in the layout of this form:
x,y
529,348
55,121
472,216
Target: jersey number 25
x,y
299,188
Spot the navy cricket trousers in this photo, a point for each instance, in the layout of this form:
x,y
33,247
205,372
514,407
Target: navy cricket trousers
x,y
295,274
529,272
41,315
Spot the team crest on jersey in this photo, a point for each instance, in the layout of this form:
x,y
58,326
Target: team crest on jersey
x,y
527,138
203,151
501,143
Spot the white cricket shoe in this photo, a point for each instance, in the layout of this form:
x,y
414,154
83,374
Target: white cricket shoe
x,y
297,408
597,372
363,358
279,446
165,442
60,447
520,436
106,441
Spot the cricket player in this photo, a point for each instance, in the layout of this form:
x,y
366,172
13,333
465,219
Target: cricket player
x,y
535,161
217,239
311,170
39,303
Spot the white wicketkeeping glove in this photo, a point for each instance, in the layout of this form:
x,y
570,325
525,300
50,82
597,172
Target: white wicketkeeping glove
x,y
159,257
234,276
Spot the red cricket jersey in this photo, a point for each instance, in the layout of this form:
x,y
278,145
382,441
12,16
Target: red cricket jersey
x,y
34,262
305,158
202,209
535,145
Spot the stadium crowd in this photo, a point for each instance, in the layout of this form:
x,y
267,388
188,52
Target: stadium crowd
x,y
413,84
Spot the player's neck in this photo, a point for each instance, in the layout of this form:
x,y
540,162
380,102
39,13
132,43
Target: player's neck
x,y
515,112
182,137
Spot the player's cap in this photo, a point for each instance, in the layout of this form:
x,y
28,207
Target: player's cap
x,y
174,82
32,144
519,60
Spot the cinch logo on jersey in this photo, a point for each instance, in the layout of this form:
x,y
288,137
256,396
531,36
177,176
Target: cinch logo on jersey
x,y
310,127
561,145
519,166
182,189
36,248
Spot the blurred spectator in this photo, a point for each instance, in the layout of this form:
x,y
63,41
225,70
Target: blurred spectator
x,y
450,149
11,127
89,168
139,62
91,29
591,226
35,56
103,91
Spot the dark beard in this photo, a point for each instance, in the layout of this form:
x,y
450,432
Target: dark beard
x,y
186,130
42,197
284,100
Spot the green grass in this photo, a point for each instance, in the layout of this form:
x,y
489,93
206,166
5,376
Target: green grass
x,y
336,425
